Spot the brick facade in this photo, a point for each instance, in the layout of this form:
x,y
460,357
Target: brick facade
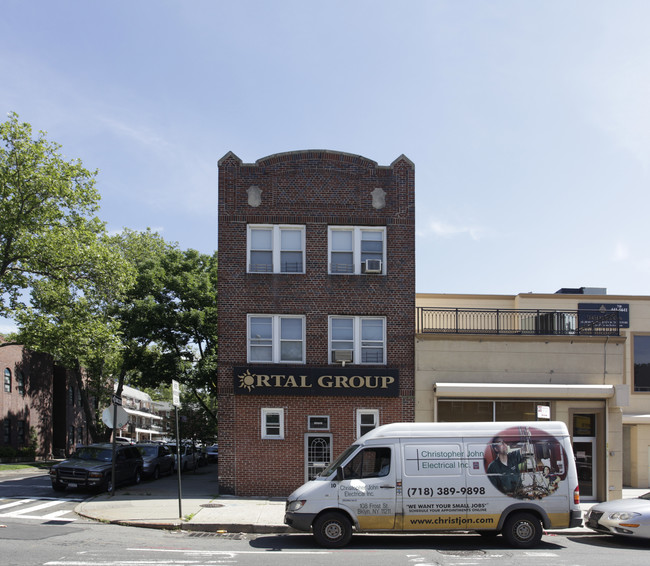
x,y
28,403
317,190
41,396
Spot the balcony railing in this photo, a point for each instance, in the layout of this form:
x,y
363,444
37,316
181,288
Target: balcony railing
x,y
581,322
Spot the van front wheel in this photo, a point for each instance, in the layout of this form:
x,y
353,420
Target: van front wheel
x,y
522,530
332,530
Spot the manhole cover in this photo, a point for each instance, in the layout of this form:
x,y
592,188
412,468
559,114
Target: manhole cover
x,y
211,505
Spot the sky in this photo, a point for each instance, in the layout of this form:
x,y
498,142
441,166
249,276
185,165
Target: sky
x,y
528,121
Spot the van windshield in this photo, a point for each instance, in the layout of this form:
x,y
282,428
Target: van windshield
x,y
338,462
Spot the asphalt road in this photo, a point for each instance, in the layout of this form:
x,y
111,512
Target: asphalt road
x,y
40,528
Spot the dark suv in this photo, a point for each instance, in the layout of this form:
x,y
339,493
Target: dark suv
x,y
91,466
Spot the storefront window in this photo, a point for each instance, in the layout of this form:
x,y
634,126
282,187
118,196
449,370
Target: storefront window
x,y
477,411
515,411
642,363
463,411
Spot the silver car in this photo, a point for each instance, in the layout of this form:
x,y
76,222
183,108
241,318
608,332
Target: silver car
x,y
625,517
157,460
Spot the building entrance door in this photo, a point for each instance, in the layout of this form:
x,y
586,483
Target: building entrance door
x,y
318,454
585,452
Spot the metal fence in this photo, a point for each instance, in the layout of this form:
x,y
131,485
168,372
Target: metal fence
x,y
517,322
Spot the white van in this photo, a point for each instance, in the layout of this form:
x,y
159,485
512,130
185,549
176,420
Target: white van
x,y
493,477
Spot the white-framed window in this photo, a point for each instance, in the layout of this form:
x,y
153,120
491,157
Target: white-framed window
x,y
273,423
276,248
318,422
20,382
7,377
357,339
367,419
276,338
356,250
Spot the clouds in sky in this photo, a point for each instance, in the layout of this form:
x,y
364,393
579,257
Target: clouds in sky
x,y
527,122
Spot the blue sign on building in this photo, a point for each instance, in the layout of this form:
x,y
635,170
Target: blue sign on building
x,y
595,313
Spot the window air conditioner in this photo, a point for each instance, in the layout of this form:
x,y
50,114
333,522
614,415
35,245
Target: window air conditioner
x,y
342,356
372,266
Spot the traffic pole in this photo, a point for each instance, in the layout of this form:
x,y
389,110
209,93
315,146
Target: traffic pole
x,y
179,466
112,492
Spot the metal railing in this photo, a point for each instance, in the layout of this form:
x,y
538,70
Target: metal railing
x,y
430,320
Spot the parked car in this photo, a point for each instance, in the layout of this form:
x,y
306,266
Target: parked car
x,y
189,457
157,460
625,517
213,453
91,466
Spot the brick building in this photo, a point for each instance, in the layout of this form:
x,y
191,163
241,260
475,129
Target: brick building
x,y
316,298
39,396
26,398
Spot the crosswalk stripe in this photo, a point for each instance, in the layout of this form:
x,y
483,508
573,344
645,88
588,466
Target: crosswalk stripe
x,y
57,514
27,512
36,508
15,503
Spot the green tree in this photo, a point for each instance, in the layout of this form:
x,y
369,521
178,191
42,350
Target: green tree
x,y
130,308
47,207
71,319
169,319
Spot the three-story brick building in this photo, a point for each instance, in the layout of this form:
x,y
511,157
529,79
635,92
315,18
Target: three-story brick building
x,y
316,298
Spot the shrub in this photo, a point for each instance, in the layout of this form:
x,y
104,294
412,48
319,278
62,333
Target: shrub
x,y
7,452
27,451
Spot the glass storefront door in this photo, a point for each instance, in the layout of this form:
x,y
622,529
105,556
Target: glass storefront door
x,y
584,450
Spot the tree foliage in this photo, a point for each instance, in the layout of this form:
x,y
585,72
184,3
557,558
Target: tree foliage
x,y
169,319
59,270
70,318
47,207
130,308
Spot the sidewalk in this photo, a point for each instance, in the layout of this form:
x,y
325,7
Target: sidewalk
x,y
155,505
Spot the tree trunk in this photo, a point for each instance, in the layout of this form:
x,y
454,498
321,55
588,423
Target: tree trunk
x,y
95,433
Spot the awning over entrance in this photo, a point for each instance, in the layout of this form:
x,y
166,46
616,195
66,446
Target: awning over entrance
x,y
143,414
523,391
636,419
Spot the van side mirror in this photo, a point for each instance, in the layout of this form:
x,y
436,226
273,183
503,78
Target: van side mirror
x,y
339,474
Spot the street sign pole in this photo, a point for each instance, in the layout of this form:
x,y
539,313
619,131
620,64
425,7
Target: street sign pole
x,y
116,401
179,458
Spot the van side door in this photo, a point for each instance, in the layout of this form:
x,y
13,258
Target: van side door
x,y
368,487
434,486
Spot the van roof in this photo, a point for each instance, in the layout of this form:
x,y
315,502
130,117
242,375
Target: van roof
x,y
421,430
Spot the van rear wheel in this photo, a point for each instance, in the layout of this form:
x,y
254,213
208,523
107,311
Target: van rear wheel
x,y
522,530
332,530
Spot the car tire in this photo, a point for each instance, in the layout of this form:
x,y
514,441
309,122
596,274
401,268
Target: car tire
x,y
58,486
107,485
137,477
522,530
156,473
332,530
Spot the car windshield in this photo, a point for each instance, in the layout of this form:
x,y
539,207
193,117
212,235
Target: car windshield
x,y
93,453
338,462
645,496
150,451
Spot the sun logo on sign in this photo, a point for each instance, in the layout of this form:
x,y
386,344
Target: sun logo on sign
x,y
247,380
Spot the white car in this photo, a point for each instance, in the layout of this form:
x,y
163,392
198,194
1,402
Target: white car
x,y
189,457
212,453
625,517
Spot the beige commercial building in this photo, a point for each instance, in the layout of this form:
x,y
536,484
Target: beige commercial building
x,y
579,356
